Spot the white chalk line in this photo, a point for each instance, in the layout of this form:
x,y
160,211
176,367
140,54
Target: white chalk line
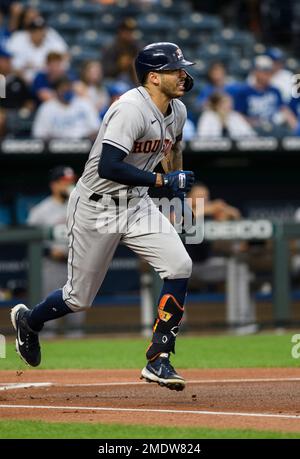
x,y
143,410
192,381
9,386
128,383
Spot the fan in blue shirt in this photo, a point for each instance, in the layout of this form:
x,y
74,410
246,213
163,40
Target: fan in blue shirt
x,y
43,86
260,102
217,82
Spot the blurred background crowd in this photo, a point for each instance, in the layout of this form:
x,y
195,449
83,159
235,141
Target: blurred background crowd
x,y
65,62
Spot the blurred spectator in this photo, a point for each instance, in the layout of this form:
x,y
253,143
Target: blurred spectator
x,y
31,47
220,120
13,11
216,209
115,90
50,212
281,78
218,81
44,82
66,116
27,16
91,85
16,91
189,130
5,6
209,263
261,103
223,265
119,55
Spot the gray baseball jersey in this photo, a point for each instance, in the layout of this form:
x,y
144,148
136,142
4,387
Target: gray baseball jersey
x,y
135,125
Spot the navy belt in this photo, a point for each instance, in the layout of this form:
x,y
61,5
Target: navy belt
x,y
96,197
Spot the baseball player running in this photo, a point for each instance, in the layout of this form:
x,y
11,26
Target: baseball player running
x,y
139,130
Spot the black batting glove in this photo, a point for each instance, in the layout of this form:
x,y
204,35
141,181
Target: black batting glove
x,y
179,181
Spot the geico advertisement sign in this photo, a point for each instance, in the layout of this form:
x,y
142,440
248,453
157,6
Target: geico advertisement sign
x,y
244,229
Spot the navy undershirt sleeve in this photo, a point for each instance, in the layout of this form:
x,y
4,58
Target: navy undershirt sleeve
x,y
112,167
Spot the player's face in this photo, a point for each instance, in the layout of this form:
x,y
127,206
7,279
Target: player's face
x,y
56,68
172,83
263,77
37,36
62,188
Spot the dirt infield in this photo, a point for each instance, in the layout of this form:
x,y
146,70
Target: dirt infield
x,y
263,399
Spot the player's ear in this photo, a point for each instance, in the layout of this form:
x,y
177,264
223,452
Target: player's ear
x,y
154,78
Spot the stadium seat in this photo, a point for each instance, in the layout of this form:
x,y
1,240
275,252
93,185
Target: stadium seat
x,y
201,22
19,123
240,68
105,22
46,8
32,3
185,38
69,37
65,22
260,48
124,9
149,36
201,67
293,64
83,9
155,23
240,42
171,8
81,55
90,10
215,52
93,39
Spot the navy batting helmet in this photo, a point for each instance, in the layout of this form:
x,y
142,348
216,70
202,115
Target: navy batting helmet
x,y
159,57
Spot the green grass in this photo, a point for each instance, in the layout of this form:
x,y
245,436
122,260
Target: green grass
x,y
262,350
39,429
